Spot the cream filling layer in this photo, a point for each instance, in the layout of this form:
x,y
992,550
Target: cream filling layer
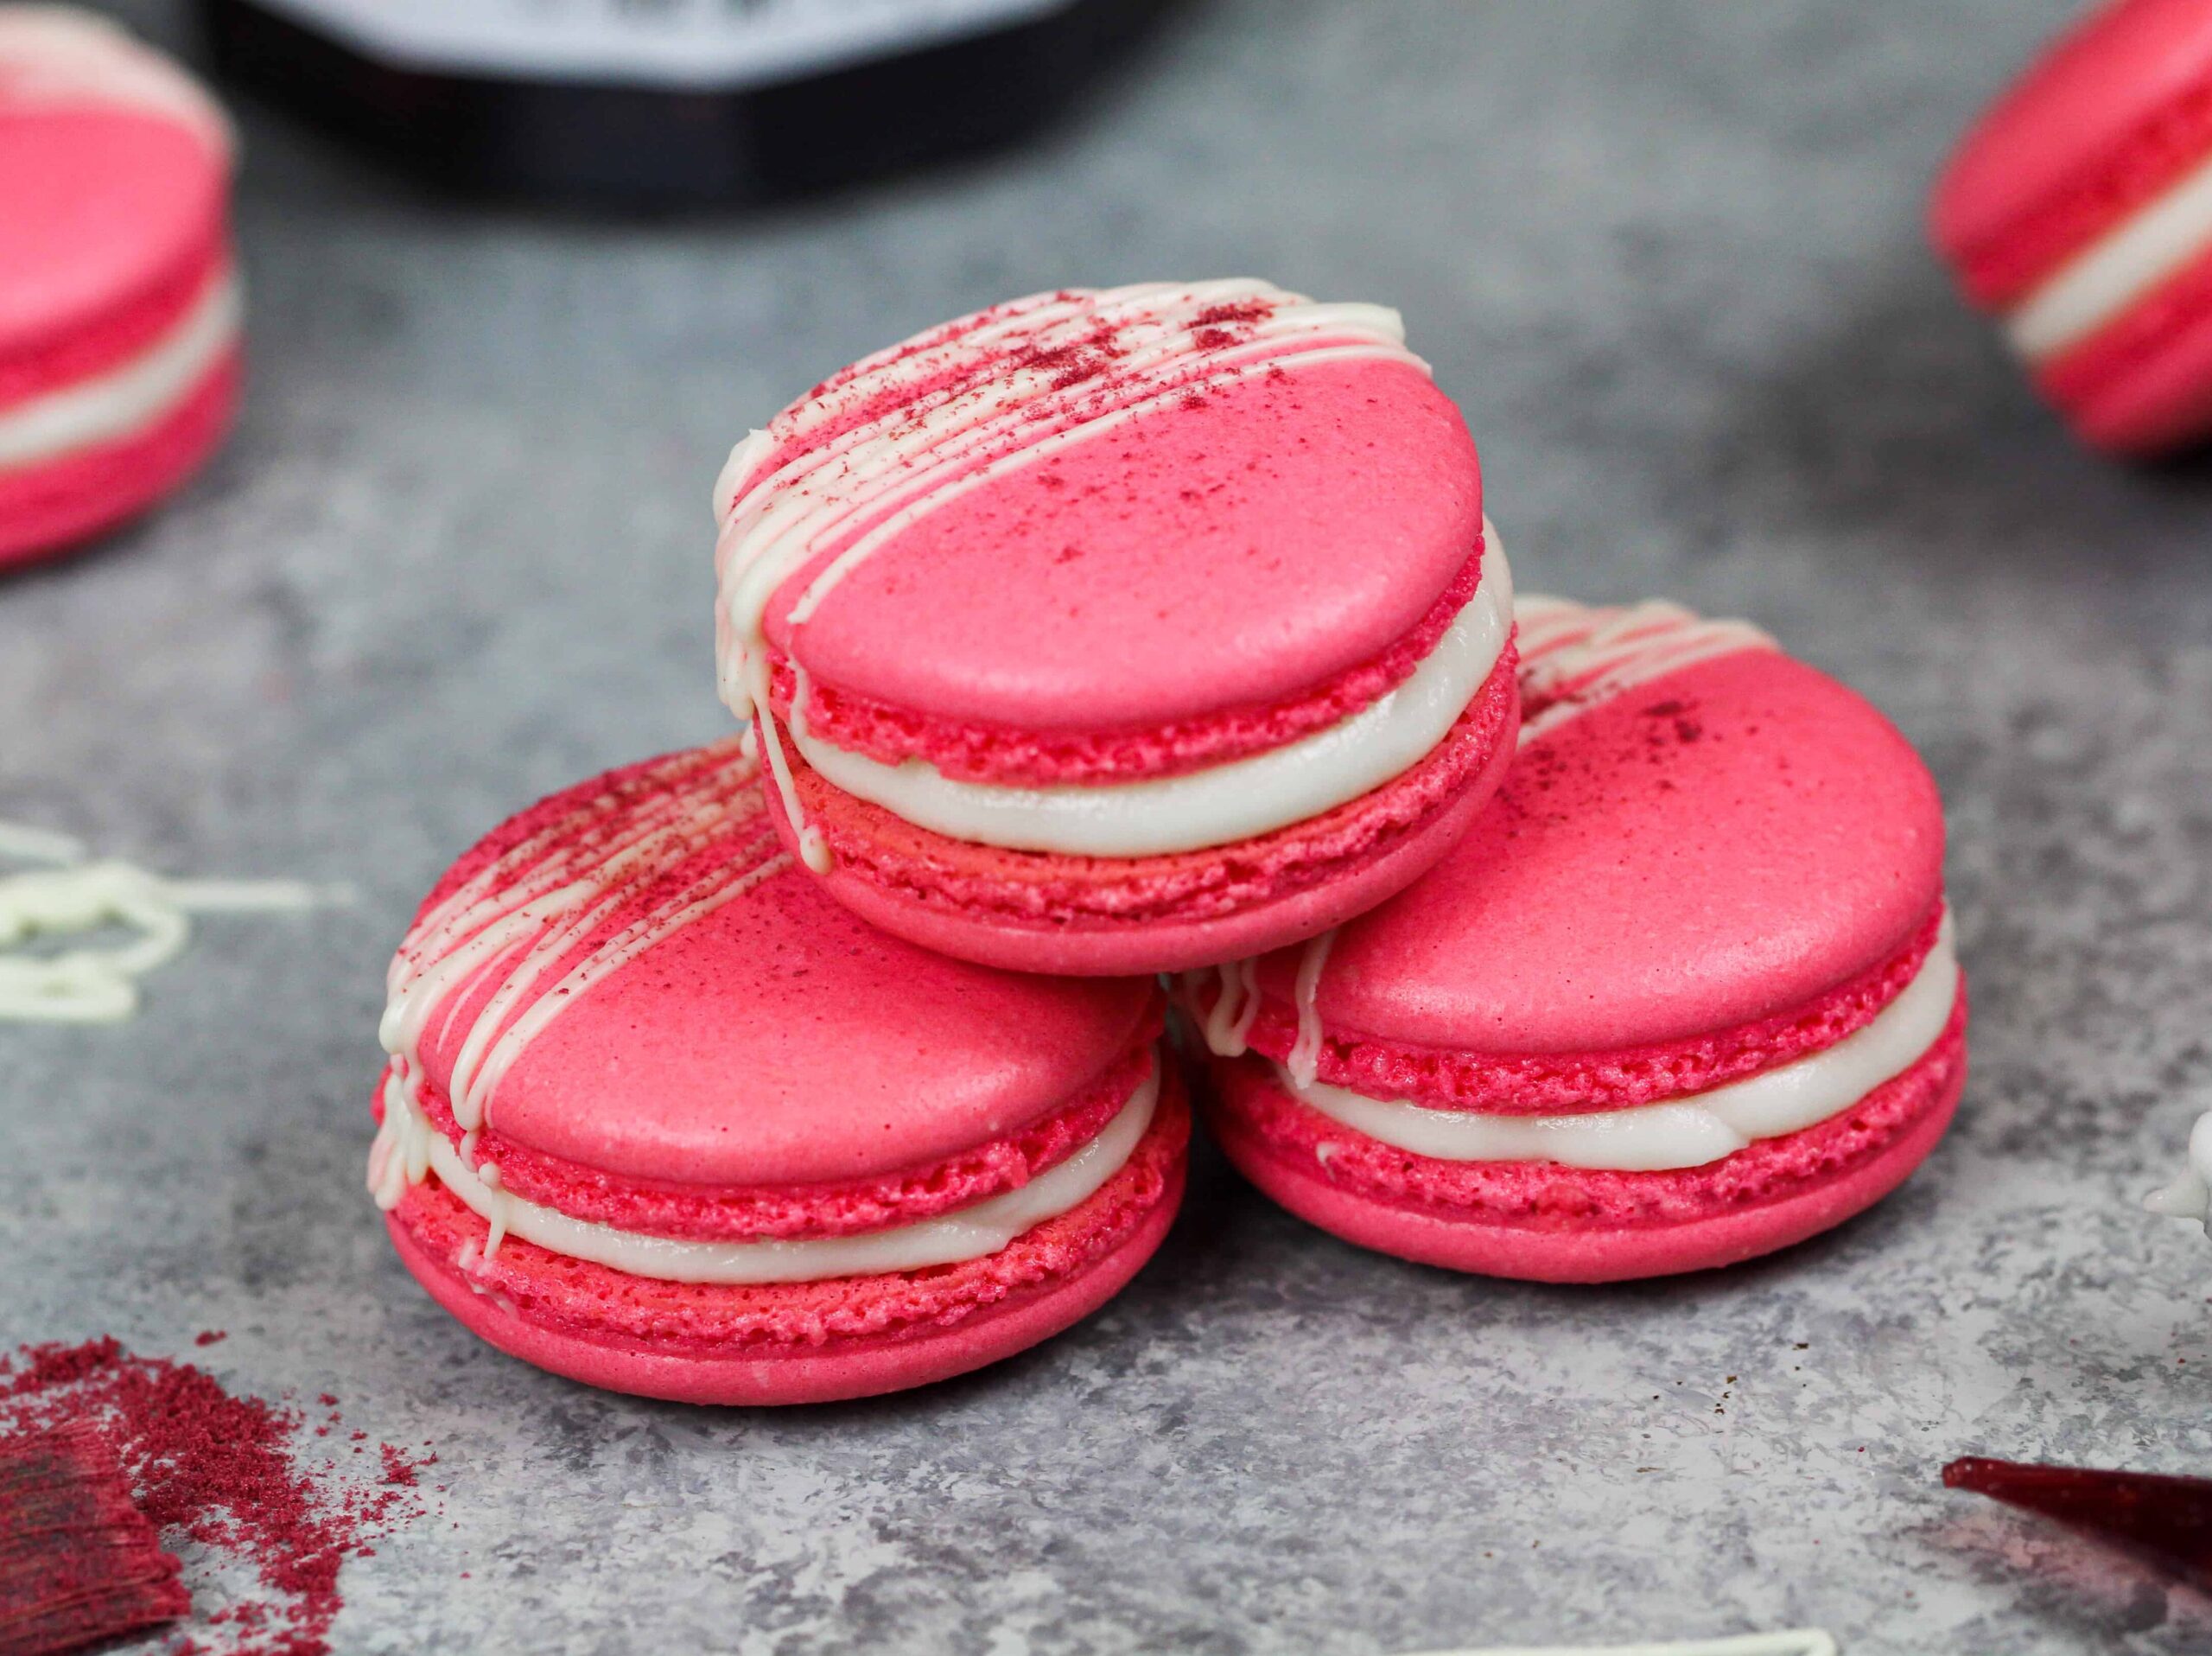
x,y
407,1147
127,398
1219,806
1686,1132
2114,272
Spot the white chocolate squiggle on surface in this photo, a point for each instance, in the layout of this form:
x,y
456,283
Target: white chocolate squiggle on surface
x,y
905,432
74,894
414,1146
58,56
1796,1641
1574,657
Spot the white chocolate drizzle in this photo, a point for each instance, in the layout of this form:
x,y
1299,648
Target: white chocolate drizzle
x,y
74,894
1236,1002
1227,1026
903,433
1796,1641
531,909
1305,1061
1574,657
59,57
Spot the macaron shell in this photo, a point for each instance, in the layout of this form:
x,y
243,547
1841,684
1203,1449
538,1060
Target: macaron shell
x,y
1712,848
777,1040
1233,552
1110,1237
50,508
1805,1197
2115,87
98,205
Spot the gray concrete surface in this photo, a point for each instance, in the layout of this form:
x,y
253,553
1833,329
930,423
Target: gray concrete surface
x,y
1668,256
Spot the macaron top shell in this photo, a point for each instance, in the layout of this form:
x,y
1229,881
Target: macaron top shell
x,y
95,204
2112,114
772,1039
1705,850
1094,510
113,166
1230,552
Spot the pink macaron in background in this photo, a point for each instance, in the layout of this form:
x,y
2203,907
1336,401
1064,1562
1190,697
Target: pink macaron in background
x,y
2078,211
118,296
662,1117
1685,994
1119,631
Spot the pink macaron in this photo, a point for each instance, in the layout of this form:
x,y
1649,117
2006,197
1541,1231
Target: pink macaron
x,y
2079,211
662,1117
1113,631
119,297
1685,993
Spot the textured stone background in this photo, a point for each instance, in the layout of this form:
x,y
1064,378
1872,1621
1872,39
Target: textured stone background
x,y
1669,257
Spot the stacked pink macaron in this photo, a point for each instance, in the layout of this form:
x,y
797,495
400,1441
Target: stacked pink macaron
x,y
2079,211
1117,632
1686,993
118,296
660,1116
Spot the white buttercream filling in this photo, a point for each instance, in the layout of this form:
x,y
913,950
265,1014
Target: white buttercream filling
x,y
1685,1132
1222,804
131,396
408,1146
2114,272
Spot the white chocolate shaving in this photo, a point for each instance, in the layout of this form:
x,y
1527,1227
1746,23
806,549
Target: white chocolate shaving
x,y
77,895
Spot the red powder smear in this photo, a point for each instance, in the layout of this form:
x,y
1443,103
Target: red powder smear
x,y
210,1337
218,1470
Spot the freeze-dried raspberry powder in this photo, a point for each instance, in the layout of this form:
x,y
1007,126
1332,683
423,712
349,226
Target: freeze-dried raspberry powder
x,y
218,1470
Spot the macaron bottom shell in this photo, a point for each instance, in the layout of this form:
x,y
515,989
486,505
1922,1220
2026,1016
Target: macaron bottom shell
x,y
795,1343
2142,385
1544,1222
1096,917
54,506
